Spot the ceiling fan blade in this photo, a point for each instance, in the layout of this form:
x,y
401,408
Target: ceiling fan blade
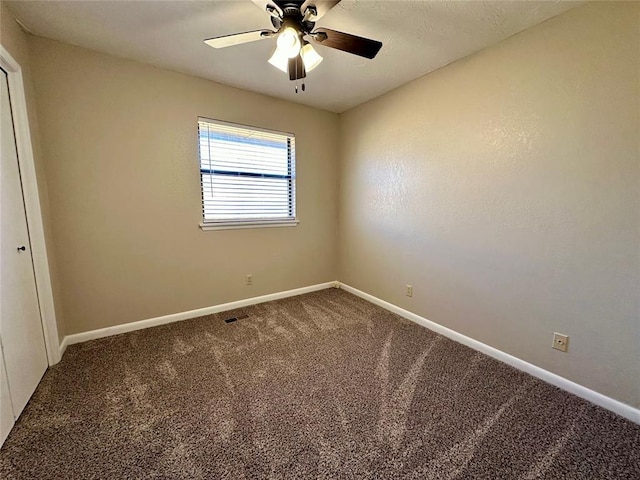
x,y
296,68
268,6
346,42
238,38
322,7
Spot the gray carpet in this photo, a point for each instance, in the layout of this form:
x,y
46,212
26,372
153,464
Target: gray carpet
x,y
323,385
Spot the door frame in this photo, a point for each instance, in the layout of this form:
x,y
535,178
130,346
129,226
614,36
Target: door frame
x,y
32,204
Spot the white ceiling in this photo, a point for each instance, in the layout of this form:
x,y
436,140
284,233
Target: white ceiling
x,y
419,36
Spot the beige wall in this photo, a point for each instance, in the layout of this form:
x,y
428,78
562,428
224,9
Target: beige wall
x,y
505,189
120,143
15,41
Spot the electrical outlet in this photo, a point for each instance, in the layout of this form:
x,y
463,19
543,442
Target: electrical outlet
x,y
409,290
560,342
248,280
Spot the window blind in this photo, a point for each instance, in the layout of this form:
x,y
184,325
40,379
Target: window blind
x,y
247,174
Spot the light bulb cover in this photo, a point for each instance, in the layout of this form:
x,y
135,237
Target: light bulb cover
x,y
279,60
310,57
289,42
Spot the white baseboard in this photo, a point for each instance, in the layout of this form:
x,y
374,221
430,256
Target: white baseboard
x,y
599,399
175,317
63,345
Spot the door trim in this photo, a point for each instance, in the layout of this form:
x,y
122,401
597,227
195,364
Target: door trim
x,y
32,204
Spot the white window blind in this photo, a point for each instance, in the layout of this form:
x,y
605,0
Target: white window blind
x,y
247,175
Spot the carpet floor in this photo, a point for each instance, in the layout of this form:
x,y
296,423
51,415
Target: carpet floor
x,y
323,385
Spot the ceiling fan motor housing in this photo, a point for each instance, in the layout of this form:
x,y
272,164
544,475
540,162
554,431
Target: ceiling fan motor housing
x,y
293,16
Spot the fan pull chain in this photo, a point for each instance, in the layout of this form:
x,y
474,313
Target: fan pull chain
x,y
303,87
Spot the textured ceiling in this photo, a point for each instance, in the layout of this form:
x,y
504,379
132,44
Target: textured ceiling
x,y
418,37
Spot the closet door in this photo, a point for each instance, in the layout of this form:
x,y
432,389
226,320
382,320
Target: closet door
x,y
21,335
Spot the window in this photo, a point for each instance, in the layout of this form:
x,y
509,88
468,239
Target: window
x,y
247,176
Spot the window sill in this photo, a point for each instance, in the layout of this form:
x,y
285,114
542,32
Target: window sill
x,y
242,225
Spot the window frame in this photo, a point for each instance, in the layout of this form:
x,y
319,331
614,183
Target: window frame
x,y
233,224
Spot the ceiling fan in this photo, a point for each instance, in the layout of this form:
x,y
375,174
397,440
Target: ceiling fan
x,y
294,23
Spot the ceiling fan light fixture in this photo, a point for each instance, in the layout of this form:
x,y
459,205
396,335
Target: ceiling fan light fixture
x,y
289,42
294,22
279,60
310,57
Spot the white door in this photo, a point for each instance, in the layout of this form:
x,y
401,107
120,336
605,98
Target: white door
x,y
21,336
